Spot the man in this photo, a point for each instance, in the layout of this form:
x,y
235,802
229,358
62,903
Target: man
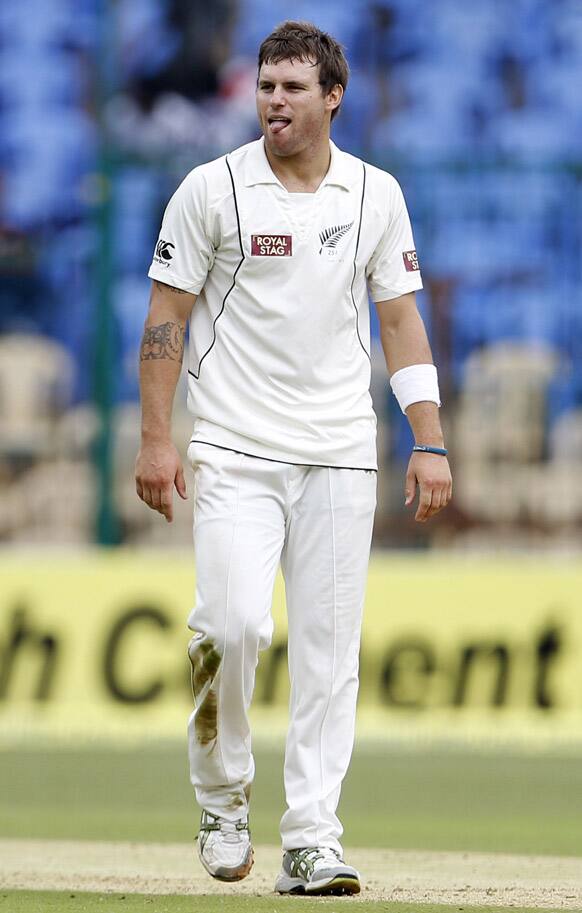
x,y
269,253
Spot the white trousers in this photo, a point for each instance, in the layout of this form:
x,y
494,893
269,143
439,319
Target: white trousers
x,y
250,515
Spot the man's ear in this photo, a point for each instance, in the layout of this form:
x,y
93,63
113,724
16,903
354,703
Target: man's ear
x,y
334,97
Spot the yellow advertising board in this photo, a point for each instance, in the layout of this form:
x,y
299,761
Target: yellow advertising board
x,y
95,644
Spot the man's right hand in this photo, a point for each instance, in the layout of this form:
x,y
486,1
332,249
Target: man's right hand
x,y
158,469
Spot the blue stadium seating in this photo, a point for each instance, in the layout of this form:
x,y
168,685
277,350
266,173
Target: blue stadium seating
x,y
474,108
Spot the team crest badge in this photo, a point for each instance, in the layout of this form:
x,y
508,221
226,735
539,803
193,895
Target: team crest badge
x,y
330,238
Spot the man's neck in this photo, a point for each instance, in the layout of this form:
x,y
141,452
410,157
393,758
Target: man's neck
x,y
302,173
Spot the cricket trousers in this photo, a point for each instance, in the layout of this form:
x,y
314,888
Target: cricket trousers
x,y
251,515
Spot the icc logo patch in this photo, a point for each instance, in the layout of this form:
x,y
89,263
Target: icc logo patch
x,y
271,245
411,263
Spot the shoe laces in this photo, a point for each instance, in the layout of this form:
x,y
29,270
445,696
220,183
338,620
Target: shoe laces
x,y
323,854
232,831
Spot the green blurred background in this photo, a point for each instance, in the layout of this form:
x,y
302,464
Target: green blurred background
x,y
431,798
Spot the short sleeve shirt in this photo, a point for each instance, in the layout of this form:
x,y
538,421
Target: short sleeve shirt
x,y
279,336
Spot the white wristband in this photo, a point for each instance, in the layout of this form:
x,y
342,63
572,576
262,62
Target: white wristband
x,y
415,384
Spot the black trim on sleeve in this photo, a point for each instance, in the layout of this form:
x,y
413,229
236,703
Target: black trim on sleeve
x,y
241,261
355,257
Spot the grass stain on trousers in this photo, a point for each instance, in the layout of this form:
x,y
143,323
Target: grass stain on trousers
x,y
205,662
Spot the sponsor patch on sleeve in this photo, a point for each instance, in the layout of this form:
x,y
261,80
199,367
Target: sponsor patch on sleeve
x,y
164,252
411,263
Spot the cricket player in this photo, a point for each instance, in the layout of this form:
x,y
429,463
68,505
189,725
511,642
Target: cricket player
x,y
269,254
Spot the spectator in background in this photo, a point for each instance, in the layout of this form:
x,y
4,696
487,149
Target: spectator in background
x,y
23,296
375,53
204,32
175,105
526,127
49,151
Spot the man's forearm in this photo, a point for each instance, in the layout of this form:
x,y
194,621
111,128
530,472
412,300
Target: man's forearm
x,y
161,354
425,423
405,343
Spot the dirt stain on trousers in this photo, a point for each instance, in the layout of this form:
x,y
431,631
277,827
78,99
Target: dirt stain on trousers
x,y
205,662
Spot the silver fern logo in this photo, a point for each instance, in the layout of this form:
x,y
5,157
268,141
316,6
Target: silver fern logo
x,y
330,237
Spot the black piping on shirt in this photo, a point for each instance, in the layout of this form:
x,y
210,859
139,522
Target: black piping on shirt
x,y
284,462
242,257
355,257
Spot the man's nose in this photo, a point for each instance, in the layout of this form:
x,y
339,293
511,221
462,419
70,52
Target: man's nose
x,y
278,97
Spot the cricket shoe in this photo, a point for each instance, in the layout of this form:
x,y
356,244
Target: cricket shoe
x,y
224,847
316,870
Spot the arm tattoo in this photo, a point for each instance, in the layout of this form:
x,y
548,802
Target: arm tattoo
x,y
163,341
164,285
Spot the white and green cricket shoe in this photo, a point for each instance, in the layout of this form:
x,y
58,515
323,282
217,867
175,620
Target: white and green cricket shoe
x,y
224,847
316,870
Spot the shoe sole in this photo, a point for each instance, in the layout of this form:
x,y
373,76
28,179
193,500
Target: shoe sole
x,y
341,884
225,874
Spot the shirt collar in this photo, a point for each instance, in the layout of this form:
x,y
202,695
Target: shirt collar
x,y
258,170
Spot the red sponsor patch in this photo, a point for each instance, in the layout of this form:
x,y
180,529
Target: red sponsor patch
x,y
411,263
271,245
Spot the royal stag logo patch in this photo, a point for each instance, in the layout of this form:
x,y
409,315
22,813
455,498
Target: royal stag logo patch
x,y
411,264
271,245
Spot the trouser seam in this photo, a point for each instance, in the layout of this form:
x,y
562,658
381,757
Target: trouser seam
x,y
333,657
226,619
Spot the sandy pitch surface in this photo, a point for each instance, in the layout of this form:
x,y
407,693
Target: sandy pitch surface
x,y
412,876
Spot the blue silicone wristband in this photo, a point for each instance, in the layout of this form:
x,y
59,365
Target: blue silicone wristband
x,y
424,448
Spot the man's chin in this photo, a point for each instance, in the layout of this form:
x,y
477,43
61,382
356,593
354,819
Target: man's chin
x,y
280,147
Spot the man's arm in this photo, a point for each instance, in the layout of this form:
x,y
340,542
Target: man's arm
x,y
405,343
158,466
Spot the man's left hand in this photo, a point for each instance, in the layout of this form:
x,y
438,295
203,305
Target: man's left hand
x,y
432,474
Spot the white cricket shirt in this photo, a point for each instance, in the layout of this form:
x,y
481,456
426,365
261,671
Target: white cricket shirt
x,y
279,343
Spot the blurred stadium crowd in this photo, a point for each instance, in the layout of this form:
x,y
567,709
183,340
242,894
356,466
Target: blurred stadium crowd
x,y
105,106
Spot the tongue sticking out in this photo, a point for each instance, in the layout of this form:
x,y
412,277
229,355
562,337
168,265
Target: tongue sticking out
x,y
277,125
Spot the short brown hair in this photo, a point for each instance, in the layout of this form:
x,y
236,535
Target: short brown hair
x,y
304,41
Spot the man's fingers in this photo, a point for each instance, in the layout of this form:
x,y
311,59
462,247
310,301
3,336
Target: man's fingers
x,y
151,498
180,483
156,497
166,505
146,495
435,484
440,498
157,468
448,494
424,504
409,488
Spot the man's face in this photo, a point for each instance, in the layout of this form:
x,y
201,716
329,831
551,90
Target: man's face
x,y
293,112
